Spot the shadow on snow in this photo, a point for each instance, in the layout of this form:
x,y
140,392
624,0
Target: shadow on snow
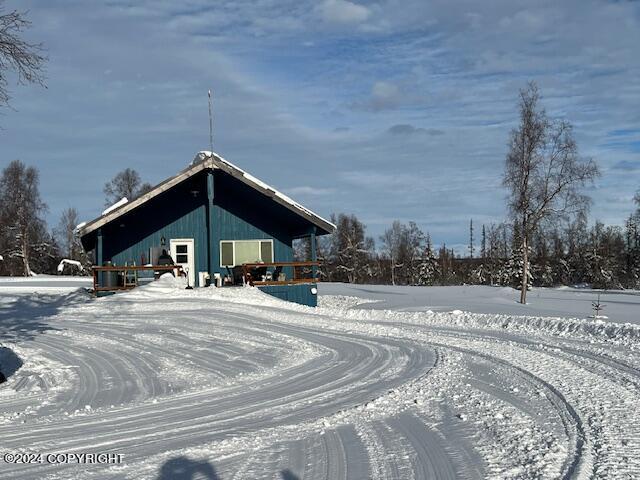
x,y
25,316
184,468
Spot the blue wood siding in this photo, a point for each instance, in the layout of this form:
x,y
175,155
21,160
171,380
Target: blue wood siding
x,y
298,293
177,213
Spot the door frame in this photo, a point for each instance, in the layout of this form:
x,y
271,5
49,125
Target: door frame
x,y
191,247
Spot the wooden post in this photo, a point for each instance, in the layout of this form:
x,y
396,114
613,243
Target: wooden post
x,y
210,197
99,256
211,226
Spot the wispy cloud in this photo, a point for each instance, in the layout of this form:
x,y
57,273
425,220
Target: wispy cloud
x,y
343,12
406,129
625,132
627,165
343,102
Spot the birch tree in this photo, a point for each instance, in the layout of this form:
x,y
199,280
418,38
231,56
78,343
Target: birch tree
x,y
20,214
67,238
126,183
350,248
543,173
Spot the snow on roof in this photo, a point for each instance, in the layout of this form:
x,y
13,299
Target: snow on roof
x,y
79,226
118,204
263,185
203,160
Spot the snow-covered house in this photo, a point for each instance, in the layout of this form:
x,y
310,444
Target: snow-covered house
x,y
210,217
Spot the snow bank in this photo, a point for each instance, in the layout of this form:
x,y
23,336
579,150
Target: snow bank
x,y
346,308
558,326
342,302
43,280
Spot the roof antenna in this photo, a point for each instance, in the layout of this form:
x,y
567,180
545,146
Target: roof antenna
x,y
210,125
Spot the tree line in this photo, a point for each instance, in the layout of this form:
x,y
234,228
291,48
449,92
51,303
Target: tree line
x,y
27,245
570,253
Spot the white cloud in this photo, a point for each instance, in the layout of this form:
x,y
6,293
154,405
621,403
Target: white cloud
x,y
388,96
305,190
385,92
344,12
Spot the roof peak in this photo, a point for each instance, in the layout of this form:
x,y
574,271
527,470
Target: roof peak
x,y
203,160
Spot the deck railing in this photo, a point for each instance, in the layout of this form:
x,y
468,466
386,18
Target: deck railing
x,y
98,286
271,273
259,273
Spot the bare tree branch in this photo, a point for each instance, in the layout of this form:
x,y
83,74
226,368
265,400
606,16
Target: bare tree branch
x,y
24,59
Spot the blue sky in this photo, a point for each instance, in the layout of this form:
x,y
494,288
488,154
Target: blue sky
x,y
388,109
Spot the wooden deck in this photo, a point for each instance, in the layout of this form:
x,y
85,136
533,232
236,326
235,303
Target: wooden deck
x,y
126,270
303,272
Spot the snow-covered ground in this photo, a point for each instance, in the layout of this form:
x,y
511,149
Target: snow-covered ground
x,y
377,382
621,306
41,284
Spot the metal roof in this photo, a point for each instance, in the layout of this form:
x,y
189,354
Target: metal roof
x,y
203,161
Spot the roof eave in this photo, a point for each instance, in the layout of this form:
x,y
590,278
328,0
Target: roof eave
x,y
157,190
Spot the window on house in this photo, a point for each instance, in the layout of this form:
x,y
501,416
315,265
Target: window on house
x,y
237,252
226,254
181,254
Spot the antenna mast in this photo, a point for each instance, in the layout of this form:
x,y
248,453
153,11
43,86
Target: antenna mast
x,y
210,125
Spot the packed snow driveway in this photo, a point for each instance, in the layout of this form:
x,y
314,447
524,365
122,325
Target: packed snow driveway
x,y
232,384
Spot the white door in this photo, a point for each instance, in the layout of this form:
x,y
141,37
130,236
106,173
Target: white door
x,y
182,254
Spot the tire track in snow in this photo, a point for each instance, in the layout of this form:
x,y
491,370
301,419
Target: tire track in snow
x,y
603,450
354,363
355,369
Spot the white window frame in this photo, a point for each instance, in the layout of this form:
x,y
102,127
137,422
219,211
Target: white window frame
x,y
270,240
